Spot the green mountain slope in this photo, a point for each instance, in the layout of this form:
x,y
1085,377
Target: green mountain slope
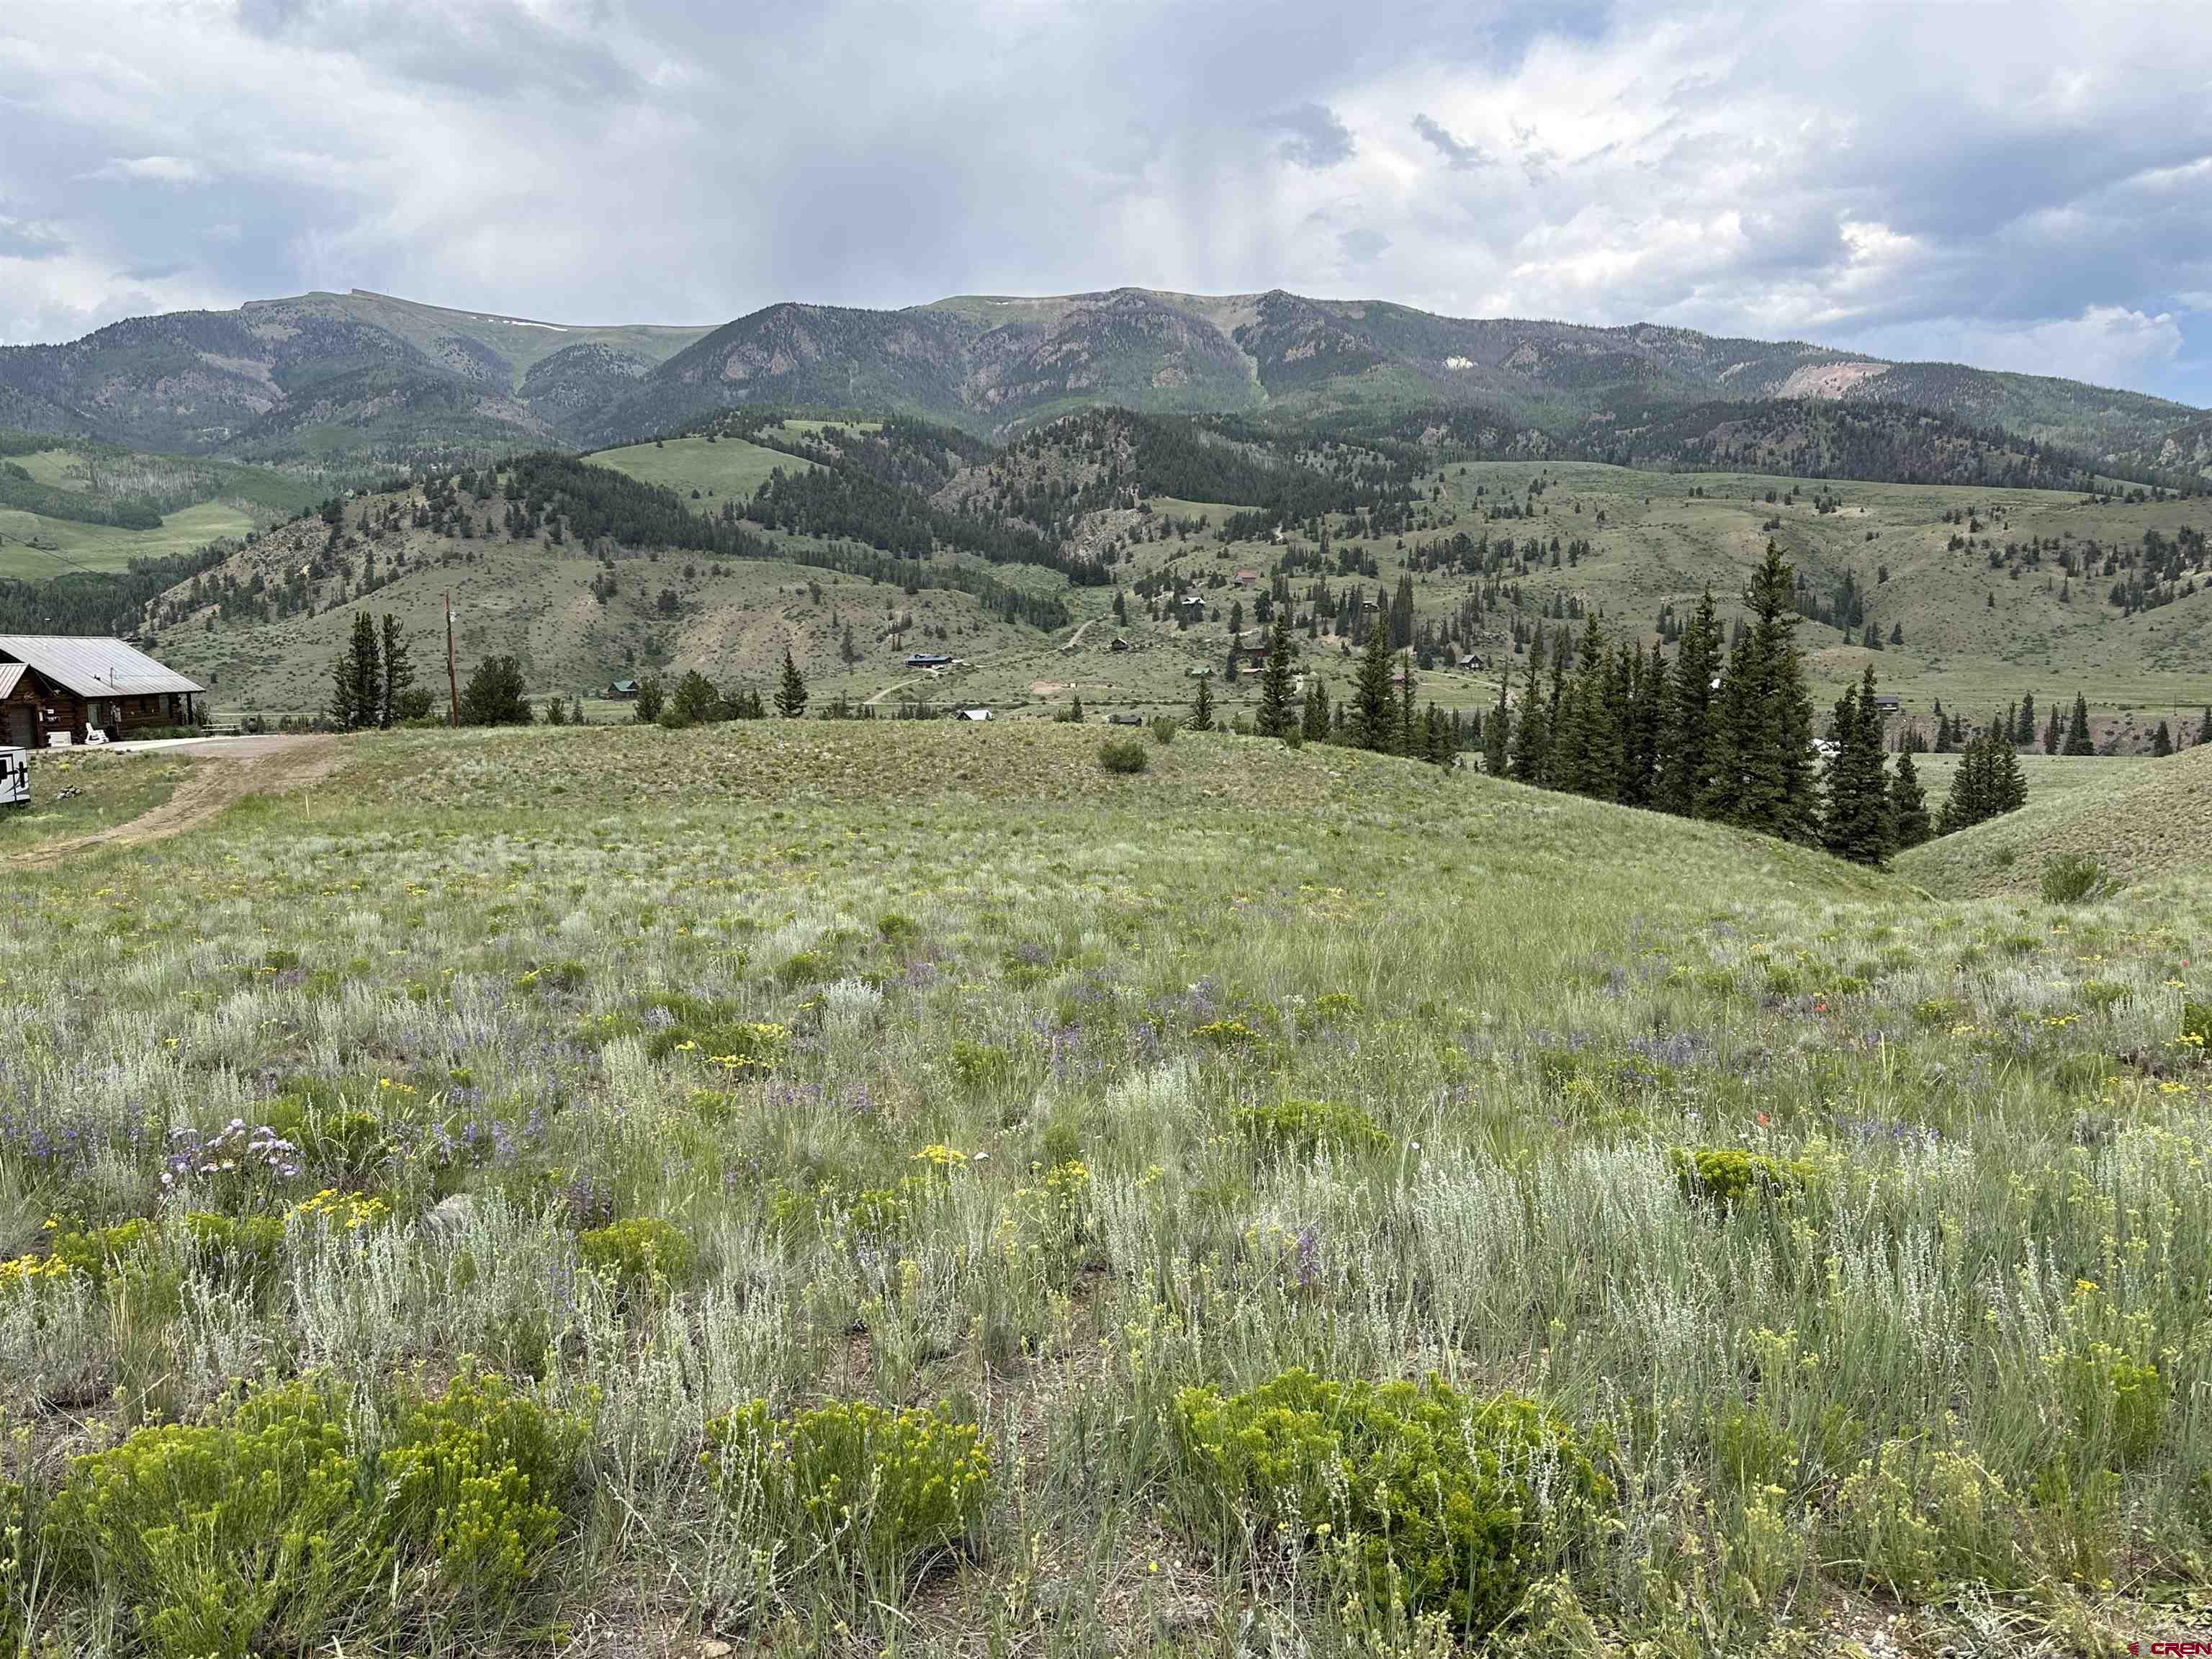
x,y
364,379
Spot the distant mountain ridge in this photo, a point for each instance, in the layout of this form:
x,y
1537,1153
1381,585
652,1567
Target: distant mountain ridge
x,y
349,382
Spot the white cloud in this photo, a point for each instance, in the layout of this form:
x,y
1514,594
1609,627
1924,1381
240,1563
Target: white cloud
x,y
1772,169
151,169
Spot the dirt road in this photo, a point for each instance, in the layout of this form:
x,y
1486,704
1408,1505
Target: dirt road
x,y
220,774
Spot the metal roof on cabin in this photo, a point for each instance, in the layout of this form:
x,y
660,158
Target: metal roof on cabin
x,y
10,672
94,667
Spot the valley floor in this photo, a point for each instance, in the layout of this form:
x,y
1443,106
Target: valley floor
x,y
1807,1263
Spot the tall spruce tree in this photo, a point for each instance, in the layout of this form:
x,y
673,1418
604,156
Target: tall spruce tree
x,y
791,695
1277,718
2078,741
1687,713
1374,710
1908,805
1497,733
1314,720
357,682
1578,762
2161,742
1759,773
1857,822
399,674
2204,726
1532,737
1201,706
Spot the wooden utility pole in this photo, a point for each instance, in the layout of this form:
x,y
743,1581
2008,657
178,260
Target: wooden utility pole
x,y
452,683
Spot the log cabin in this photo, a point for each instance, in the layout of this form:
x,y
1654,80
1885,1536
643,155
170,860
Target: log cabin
x,y
55,689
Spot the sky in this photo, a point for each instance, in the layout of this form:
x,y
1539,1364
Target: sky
x,y
2019,184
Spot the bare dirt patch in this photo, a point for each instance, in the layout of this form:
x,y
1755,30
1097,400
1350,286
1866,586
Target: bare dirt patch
x,y
250,766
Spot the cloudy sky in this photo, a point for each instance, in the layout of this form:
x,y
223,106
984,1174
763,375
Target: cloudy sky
x,y
2023,185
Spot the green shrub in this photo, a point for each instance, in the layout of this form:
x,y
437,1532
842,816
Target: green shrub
x,y
1123,754
642,1253
228,1536
97,1251
1920,1519
1727,1175
248,1247
2069,877
1163,729
1440,1503
471,1480
2196,1025
978,1065
1310,1125
870,1489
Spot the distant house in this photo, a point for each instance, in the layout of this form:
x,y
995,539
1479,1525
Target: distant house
x,y
1125,720
1120,644
1198,674
1470,661
1190,599
1246,578
55,689
975,713
928,659
623,691
1887,704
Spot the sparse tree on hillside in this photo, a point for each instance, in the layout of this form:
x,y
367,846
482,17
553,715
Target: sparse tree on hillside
x,y
493,694
645,711
1201,706
2078,741
1314,718
397,678
694,702
1857,822
1759,773
357,682
1276,716
1531,739
1908,805
1374,710
791,696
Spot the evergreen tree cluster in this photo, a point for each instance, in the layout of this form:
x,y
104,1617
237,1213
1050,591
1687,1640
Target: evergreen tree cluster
x,y
1720,732
373,682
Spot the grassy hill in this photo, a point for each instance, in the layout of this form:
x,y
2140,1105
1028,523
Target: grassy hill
x,y
1741,1205
2142,821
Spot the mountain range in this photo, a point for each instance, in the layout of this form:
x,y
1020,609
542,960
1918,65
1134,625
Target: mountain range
x,y
345,384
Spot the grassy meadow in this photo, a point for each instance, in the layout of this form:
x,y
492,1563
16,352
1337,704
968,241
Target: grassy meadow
x,y
841,1188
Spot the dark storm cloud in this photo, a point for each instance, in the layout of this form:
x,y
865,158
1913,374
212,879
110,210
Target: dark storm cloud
x,y
1313,136
1455,152
2039,195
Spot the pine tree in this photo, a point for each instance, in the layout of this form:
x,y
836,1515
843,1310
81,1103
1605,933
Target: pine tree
x,y
1374,711
2023,731
1908,805
1688,713
1201,706
2052,736
2077,729
1857,824
2204,726
1497,733
1579,763
1761,776
398,674
791,696
1532,737
2161,742
1436,747
357,682
1314,722
1276,717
